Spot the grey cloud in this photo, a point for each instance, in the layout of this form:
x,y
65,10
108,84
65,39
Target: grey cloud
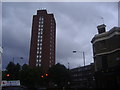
x,y
76,25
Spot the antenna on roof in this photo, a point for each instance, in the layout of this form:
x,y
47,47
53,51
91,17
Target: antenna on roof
x,y
102,20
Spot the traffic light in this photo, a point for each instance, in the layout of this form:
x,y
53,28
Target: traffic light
x,y
46,74
8,75
42,76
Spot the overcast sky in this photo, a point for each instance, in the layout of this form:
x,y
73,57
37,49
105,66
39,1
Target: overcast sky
x,y
75,27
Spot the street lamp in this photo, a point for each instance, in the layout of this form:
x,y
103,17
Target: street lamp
x,y
83,56
84,65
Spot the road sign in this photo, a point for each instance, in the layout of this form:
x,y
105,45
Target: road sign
x,y
10,83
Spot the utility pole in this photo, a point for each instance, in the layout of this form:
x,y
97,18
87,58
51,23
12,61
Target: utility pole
x,y
84,58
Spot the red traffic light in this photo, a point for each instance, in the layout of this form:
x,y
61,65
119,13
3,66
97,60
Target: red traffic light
x,y
42,76
8,75
46,74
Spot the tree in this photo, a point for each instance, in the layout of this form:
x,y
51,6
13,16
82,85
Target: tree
x,y
10,67
59,75
12,72
25,67
17,71
31,77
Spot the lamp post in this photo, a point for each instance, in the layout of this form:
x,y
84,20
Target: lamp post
x,y
83,56
82,72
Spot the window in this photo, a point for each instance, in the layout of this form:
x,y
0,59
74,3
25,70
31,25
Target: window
x,y
41,22
37,52
37,60
40,40
38,44
41,25
39,64
37,48
41,32
38,36
40,52
40,48
39,56
41,37
41,29
36,64
42,19
41,45
51,34
38,33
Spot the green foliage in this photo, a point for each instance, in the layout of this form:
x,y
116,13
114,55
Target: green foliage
x,y
59,74
31,77
13,71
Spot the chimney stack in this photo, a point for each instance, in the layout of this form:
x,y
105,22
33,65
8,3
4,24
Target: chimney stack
x,y
101,28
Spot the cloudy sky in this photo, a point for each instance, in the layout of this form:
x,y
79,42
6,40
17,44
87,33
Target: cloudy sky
x,y
76,26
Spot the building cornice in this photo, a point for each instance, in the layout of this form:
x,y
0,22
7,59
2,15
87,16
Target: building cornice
x,y
106,35
118,49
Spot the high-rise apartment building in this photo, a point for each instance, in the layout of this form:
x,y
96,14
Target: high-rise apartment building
x,y
43,39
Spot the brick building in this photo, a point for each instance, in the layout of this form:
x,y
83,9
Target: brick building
x,y
106,51
43,40
83,77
